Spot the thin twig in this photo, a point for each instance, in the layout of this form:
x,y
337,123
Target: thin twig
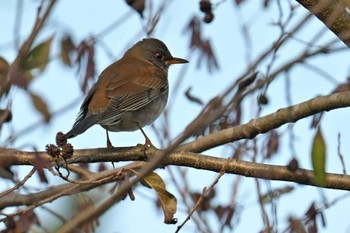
x,y
341,157
19,184
205,191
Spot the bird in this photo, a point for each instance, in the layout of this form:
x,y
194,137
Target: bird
x,y
130,93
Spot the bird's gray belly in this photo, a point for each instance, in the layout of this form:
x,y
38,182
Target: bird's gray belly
x,y
130,121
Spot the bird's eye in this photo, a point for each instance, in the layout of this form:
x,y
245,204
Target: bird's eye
x,y
159,56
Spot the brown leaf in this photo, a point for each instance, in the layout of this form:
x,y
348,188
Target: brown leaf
x,y
206,201
225,214
137,5
193,98
238,115
245,83
202,45
22,79
4,66
90,67
238,2
67,47
194,27
167,200
5,116
4,80
21,223
6,173
85,203
41,106
272,144
86,62
39,165
342,88
296,225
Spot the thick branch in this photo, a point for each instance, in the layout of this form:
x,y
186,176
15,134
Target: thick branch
x,y
257,126
55,192
185,159
334,14
256,170
269,122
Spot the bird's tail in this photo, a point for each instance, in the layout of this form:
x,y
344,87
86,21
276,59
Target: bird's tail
x,y
81,126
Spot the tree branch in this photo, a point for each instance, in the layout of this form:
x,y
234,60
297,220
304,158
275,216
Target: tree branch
x,y
334,14
268,122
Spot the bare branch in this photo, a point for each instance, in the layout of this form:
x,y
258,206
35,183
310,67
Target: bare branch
x,y
334,14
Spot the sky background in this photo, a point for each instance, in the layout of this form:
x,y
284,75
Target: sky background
x,y
59,86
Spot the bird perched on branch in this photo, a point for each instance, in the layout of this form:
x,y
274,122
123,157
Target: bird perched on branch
x,y
129,94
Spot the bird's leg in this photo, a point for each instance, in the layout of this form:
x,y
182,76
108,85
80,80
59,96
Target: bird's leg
x,y
148,141
109,144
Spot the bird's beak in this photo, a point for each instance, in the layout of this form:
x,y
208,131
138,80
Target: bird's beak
x,y
175,60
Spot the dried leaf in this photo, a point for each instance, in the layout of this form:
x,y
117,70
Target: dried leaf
x,y
203,45
4,66
239,2
90,68
67,47
86,62
85,203
6,173
4,81
137,5
41,106
245,83
5,116
38,57
39,165
311,215
22,79
342,88
208,52
193,98
206,201
166,199
272,144
296,225
225,214
194,27
318,155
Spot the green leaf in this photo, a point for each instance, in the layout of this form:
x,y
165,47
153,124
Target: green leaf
x,y
38,57
318,155
166,199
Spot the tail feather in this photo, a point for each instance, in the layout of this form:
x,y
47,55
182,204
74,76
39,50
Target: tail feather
x,y
81,126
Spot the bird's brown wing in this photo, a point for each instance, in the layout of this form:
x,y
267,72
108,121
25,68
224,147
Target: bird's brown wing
x,y
131,96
